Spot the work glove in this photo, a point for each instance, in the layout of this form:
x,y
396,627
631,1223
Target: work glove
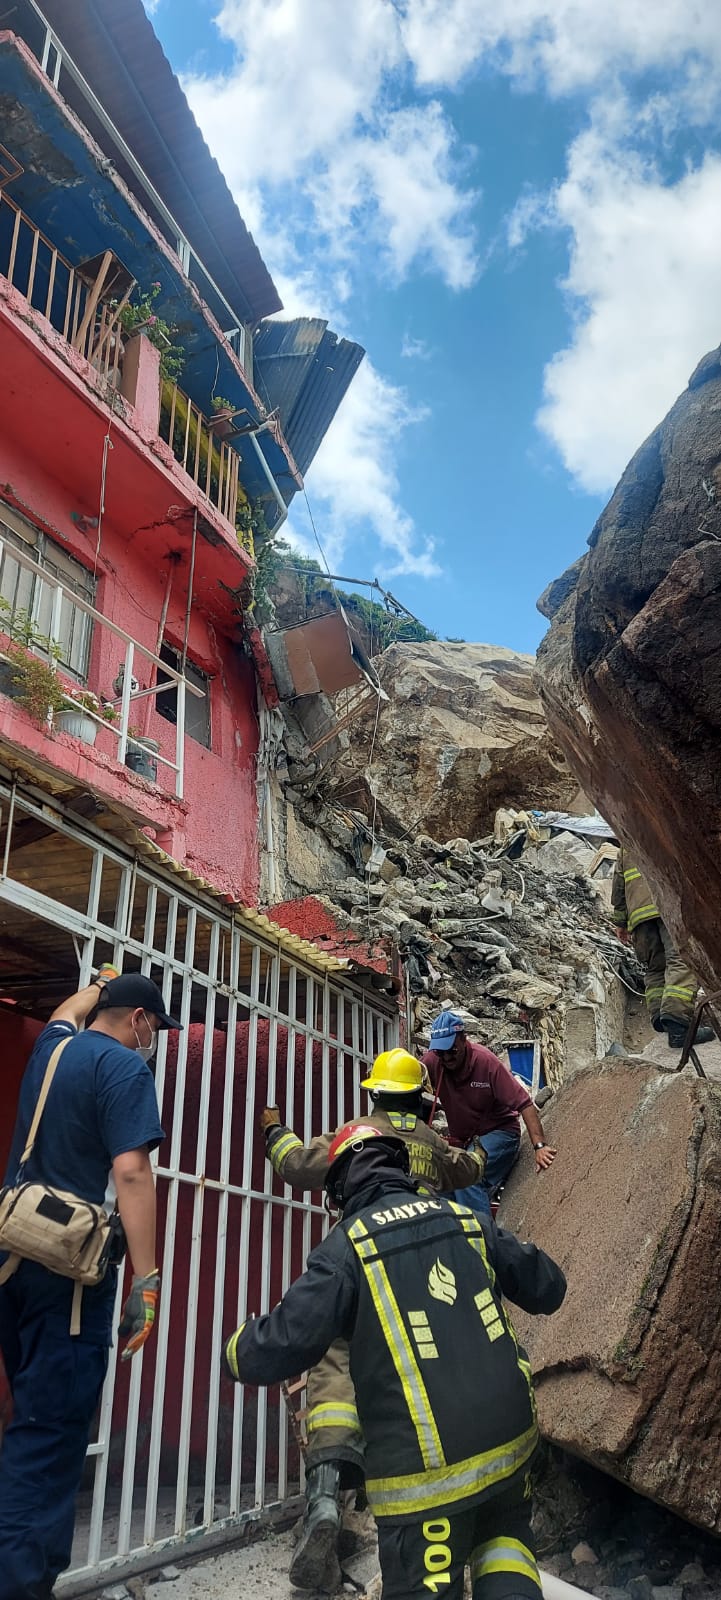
x,y
270,1118
138,1317
478,1150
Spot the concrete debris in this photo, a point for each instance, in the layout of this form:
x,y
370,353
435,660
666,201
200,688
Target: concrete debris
x,y
525,945
626,1372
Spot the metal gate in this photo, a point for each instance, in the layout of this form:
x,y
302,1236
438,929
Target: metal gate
x,y
177,1453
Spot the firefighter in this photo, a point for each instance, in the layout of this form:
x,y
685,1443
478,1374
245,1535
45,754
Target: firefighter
x,y
670,984
444,1393
335,1456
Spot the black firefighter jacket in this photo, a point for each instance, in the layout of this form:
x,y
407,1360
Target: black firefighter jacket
x,y
444,1394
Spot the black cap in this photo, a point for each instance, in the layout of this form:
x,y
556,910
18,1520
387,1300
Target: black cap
x,y
132,990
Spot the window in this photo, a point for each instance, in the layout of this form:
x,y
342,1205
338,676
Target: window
x,y
197,712
25,591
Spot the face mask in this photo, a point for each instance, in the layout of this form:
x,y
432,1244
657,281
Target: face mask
x,y
146,1050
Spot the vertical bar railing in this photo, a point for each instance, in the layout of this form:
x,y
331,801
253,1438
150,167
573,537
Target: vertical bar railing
x,y
211,463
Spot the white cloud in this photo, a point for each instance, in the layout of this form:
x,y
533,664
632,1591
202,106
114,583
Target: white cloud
x,y
568,44
352,484
413,349
645,265
309,124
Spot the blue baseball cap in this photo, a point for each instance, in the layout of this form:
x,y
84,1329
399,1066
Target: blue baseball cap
x,y
445,1030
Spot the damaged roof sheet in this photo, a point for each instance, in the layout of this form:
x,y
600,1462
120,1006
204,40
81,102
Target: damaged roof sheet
x,y
304,370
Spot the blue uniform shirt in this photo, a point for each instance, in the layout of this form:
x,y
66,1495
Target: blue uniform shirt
x,y
102,1103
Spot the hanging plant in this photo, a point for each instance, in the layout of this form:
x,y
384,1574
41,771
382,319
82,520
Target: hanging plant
x,y
140,316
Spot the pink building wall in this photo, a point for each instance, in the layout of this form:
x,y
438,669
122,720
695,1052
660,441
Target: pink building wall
x,y
53,478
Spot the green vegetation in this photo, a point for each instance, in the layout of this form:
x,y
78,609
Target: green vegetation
x,y
381,625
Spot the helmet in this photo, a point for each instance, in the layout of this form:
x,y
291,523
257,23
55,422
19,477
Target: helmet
x,y
394,1072
347,1141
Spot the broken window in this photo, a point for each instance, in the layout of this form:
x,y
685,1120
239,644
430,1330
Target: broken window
x,y
25,591
197,711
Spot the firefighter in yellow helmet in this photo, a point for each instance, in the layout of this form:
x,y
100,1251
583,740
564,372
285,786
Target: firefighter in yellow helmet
x,y
445,1398
335,1447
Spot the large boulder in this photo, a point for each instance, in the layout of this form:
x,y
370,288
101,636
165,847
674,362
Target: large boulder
x,y
628,1372
463,732
630,672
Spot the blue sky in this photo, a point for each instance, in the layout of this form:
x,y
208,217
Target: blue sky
x,y
514,207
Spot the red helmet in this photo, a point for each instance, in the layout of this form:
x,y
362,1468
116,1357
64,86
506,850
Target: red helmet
x,y
350,1138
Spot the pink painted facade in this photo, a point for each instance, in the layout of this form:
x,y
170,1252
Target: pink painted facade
x,y
54,419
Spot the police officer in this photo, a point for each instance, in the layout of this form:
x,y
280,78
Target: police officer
x,y
101,1118
335,1454
444,1394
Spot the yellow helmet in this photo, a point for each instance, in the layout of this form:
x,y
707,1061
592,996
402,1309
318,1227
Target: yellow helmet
x,y
394,1072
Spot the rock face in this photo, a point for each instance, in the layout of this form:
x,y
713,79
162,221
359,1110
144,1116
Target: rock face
x,y
630,672
463,732
628,1372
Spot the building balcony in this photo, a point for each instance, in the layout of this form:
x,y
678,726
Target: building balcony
x,y
84,696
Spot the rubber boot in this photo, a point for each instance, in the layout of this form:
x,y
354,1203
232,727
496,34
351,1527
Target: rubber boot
x,y
315,1558
676,1032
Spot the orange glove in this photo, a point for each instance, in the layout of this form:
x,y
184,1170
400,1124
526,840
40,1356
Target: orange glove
x,y
106,973
270,1118
138,1317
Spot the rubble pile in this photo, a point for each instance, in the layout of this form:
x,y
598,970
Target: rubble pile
x,y
524,947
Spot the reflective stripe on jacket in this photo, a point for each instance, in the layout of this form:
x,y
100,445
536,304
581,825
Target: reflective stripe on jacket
x,y
444,1394
434,1163
631,898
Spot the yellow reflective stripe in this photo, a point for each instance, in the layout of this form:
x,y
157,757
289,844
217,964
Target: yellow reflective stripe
x,y
231,1350
425,1491
402,1120
365,1248
630,874
504,1555
340,1415
357,1229
280,1148
642,914
474,1235
404,1361
654,991
679,991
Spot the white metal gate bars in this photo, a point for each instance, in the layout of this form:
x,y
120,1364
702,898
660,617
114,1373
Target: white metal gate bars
x,y
177,1453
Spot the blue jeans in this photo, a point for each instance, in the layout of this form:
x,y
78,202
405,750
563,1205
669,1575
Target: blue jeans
x,y
501,1147
55,1382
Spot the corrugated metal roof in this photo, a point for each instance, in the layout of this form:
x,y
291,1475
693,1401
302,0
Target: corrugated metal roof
x,y
304,370
118,52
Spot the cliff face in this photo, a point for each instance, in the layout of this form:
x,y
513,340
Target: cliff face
x,y
463,732
630,671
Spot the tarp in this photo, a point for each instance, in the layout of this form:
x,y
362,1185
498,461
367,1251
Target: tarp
x,y
592,827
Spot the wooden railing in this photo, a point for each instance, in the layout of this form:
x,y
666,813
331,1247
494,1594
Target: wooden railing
x,y
72,303
208,460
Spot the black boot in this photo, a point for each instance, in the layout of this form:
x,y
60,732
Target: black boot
x,y
676,1032
315,1558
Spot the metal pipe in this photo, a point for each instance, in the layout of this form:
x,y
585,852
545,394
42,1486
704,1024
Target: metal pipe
x,y
191,576
271,481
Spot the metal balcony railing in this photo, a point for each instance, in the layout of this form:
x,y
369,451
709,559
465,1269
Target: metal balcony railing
x,y
70,301
128,696
208,460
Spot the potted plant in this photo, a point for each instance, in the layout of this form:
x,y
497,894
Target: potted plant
x,y
140,316
221,422
139,756
81,714
27,677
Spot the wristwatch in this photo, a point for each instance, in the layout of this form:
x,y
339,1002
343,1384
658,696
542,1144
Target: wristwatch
x,y
541,1145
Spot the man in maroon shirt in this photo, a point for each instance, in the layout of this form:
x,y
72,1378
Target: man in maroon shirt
x,y
483,1102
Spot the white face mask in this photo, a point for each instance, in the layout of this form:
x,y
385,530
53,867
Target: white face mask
x,y
146,1050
